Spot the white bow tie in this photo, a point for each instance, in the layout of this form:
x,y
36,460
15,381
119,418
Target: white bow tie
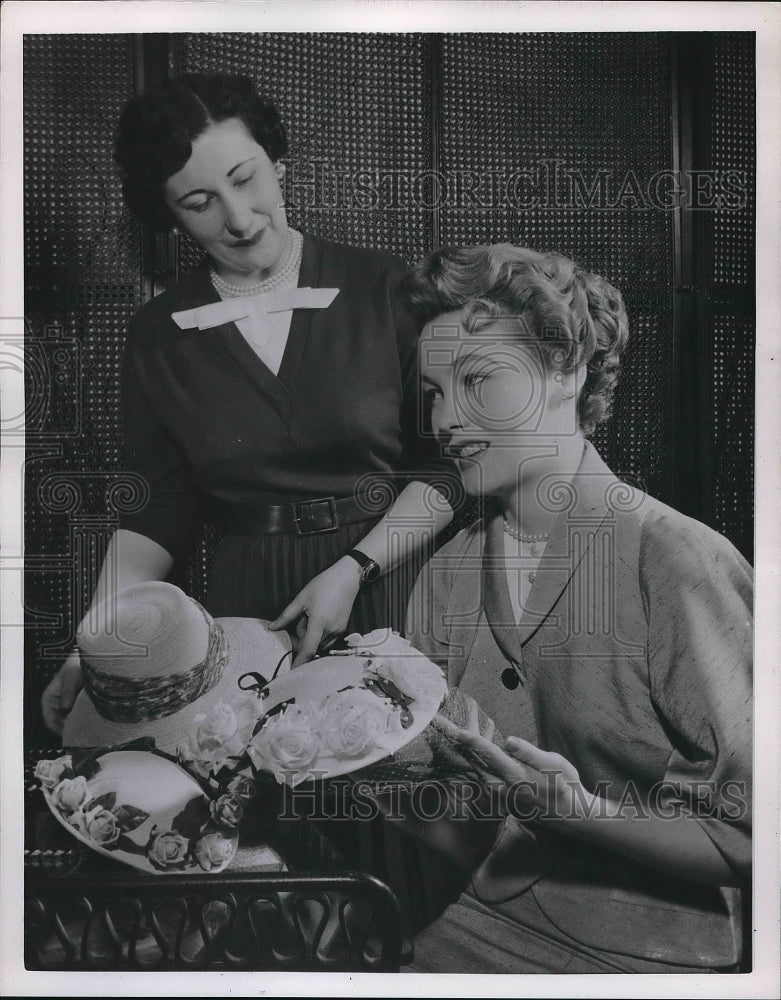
x,y
228,310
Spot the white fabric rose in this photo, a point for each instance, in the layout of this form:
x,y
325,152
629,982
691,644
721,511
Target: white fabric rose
x,y
188,759
212,730
354,722
216,736
70,794
246,708
102,826
49,772
213,851
288,741
167,849
377,642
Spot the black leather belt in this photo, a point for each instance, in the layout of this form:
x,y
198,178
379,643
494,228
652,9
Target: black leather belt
x,y
299,517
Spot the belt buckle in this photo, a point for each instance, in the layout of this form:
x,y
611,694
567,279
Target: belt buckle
x,y
314,512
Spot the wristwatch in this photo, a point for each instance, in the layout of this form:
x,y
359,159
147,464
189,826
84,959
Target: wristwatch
x,y
370,570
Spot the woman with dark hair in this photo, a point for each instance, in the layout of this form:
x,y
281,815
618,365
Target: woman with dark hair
x,y
605,634
274,385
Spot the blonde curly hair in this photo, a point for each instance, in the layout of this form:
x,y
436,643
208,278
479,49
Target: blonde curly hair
x,y
575,317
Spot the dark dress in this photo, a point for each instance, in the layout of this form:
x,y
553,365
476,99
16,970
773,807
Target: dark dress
x,y
208,426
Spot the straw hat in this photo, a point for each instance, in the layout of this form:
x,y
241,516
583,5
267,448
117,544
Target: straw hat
x,y
158,660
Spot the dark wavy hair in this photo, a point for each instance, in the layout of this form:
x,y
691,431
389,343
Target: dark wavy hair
x,y
575,317
156,132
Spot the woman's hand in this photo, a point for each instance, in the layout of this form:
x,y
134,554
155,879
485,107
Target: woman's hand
x,y
58,698
535,781
543,785
130,558
463,714
320,612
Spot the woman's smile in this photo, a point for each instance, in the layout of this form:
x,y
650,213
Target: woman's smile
x,y
228,198
251,242
465,449
496,407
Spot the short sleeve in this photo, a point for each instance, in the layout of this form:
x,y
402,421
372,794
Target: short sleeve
x,y
697,591
167,511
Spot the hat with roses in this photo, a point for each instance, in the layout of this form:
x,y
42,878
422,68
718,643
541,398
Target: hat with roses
x,y
139,807
154,661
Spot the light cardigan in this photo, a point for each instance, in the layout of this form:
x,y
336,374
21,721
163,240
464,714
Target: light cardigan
x,y
635,650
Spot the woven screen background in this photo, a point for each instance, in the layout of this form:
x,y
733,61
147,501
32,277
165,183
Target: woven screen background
x,y
551,108
82,284
357,112
730,334
361,110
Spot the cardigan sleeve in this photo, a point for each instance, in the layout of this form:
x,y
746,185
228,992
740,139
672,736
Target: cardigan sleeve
x,y
426,625
697,591
168,514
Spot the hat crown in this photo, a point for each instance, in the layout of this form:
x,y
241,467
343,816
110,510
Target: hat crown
x,y
146,630
155,659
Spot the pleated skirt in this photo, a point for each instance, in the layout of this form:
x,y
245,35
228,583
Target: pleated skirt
x,y
259,575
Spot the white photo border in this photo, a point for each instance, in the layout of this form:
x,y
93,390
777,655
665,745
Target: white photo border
x,y
19,18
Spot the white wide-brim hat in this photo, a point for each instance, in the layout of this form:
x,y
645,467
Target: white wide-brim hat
x,y
156,659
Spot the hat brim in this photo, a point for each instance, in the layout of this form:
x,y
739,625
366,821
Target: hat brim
x,y
309,688
252,647
161,792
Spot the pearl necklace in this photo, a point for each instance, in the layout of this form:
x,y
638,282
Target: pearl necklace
x,y
520,536
286,273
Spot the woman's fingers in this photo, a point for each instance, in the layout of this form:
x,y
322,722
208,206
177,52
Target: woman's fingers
x,y
449,728
472,724
529,775
483,753
310,643
541,760
50,706
446,753
60,694
72,683
526,753
494,760
292,612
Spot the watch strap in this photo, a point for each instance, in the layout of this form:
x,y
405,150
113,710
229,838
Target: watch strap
x,y
370,570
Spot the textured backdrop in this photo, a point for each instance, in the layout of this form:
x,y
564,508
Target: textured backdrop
x,y
401,142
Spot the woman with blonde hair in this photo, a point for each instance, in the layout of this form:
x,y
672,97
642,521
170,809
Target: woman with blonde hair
x,y
607,635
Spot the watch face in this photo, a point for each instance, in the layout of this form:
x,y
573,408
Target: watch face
x,y
371,572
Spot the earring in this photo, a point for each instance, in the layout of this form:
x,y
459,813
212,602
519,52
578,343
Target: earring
x,y
279,169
